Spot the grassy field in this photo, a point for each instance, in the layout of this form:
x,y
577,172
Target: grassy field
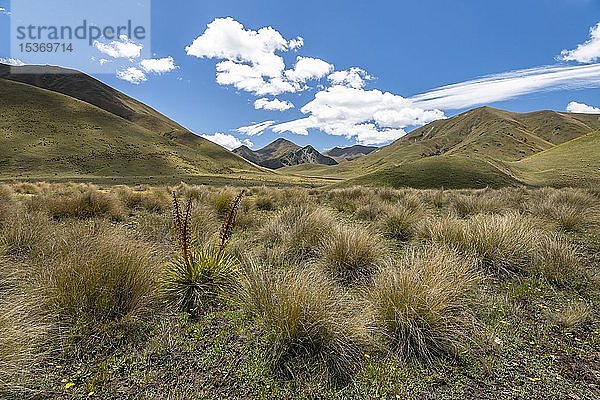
x,y
113,292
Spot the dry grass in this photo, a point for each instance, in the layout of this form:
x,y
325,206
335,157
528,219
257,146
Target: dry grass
x,y
400,222
351,254
502,243
574,315
299,230
421,302
89,203
98,276
310,323
557,261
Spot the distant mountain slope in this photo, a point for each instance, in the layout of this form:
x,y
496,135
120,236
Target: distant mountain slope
x,y
574,163
349,153
46,133
499,138
283,153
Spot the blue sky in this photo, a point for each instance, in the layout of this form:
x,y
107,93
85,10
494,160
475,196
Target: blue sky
x,y
400,51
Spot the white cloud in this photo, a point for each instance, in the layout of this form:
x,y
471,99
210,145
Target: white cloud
x,y
103,61
228,141
247,78
587,52
371,117
354,77
307,68
256,129
227,39
4,11
509,85
158,65
132,75
581,108
120,49
272,105
295,44
15,62
249,59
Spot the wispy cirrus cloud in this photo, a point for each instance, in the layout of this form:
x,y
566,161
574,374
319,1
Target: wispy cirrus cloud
x,y
509,85
256,129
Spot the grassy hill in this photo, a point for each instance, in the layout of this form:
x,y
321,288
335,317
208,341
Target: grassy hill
x,y
485,143
44,133
576,161
58,122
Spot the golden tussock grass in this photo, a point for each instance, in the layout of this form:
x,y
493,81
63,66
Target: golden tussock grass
x,y
421,302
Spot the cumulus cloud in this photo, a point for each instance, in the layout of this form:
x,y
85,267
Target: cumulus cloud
x,y
15,62
132,75
256,129
509,85
4,11
581,108
370,117
250,60
587,52
158,65
228,141
123,48
307,68
272,105
354,77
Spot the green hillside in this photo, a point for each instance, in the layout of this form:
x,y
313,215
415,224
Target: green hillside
x,y
44,134
448,171
468,149
575,163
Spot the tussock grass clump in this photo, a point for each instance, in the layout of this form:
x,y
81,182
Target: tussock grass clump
x,y
152,199
7,203
311,325
351,254
466,205
573,210
421,302
502,243
299,230
22,335
400,222
574,315
556,260
222,201
25,232
87,204
100,276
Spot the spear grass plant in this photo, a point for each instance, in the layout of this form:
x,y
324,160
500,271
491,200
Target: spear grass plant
x,y
198,276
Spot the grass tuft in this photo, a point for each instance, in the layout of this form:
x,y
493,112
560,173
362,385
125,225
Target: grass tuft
x,y
351,254
421,302
309,322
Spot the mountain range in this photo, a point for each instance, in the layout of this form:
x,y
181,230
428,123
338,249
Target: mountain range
x,y
63,123
283,153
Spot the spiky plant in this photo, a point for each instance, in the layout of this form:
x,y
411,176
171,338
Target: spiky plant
x,y
196,278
